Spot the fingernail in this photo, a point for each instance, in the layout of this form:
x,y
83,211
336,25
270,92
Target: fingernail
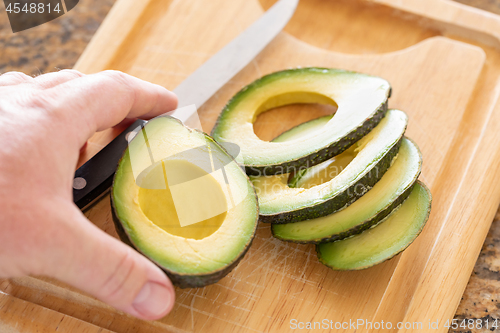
x,y
153,300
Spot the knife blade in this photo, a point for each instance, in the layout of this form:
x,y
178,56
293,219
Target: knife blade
x,y
94,178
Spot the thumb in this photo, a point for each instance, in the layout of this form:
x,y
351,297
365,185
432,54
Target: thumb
x,y
93,261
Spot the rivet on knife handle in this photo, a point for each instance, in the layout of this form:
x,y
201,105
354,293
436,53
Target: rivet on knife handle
x,y
94,178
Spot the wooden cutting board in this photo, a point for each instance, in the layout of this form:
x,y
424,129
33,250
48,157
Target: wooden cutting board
x,y
443,61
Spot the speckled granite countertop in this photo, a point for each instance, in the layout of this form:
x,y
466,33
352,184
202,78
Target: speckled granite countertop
x,y
54,45
59,43
481,299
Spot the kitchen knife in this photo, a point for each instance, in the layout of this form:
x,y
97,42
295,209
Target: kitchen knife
x,y
94,178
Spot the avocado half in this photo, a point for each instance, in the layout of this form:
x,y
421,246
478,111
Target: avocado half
x,y
182,201
363,166
361,100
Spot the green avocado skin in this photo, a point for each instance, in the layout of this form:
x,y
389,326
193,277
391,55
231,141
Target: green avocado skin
x,y
320,258
320,155
182,280
344,199
360,227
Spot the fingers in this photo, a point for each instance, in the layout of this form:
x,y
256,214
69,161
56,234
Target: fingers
x,y
85,104
14,78
43,81
53,79
104,99
150,100
108,269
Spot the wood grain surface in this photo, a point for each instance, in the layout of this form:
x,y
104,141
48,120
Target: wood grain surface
x,y
21,316
443,62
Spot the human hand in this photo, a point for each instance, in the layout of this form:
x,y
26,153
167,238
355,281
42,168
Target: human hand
x,y
44,121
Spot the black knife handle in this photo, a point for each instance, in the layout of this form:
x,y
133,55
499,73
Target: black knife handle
x,y
94,178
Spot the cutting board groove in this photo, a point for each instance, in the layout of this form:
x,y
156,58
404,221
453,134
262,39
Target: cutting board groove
x,y
443,61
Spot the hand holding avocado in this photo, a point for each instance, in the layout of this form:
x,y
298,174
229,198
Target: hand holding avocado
x,y
44,122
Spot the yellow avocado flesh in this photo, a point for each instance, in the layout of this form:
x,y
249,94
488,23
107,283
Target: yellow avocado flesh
x,y
158,204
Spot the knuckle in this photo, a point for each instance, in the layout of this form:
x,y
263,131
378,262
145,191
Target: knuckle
x,y
73,72
65,75
50,80
113,289
16,77
117,76
124,84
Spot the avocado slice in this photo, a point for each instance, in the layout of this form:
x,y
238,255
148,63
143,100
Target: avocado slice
x,y
361,101
385,240
181,200
387,194
374,153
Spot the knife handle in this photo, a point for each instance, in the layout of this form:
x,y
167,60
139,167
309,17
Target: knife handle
x,y
95,177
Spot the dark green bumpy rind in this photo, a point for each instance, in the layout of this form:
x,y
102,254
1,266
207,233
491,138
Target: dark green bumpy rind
x,y
342,200
316,157
184,280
